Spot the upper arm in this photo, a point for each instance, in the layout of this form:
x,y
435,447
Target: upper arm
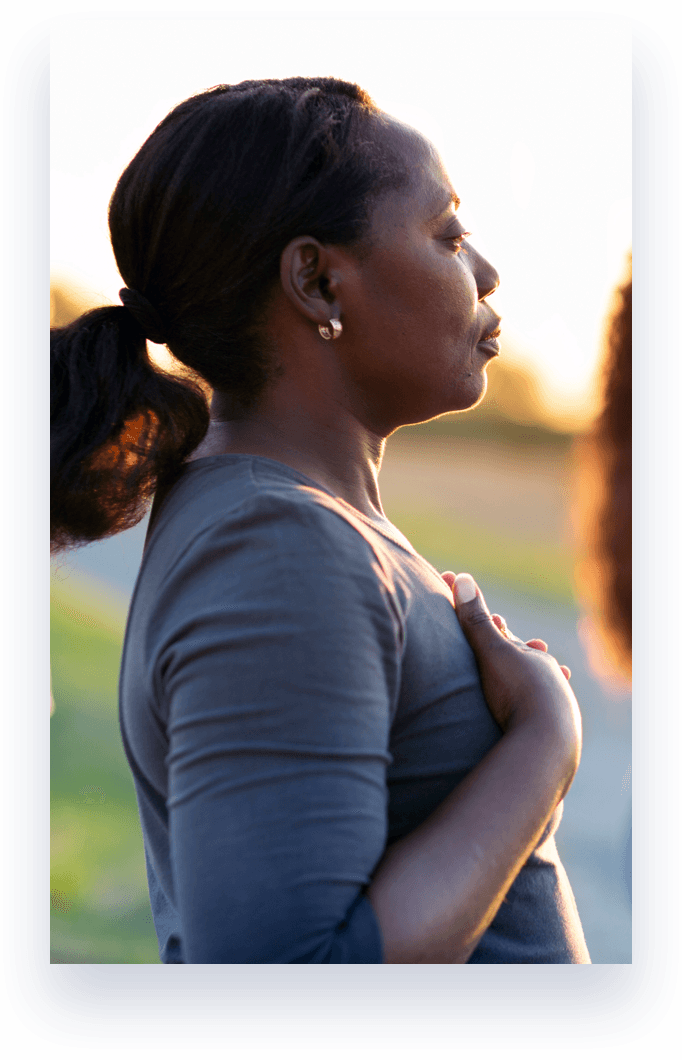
x,y
278,673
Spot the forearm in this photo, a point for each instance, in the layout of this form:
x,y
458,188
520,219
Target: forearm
x,y
437,890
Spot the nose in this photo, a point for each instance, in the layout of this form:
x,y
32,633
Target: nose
x,y
487,277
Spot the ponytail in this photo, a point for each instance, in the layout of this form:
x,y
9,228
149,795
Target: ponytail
x,y
198,223
119,426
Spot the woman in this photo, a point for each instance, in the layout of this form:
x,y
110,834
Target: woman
x,y
318,775
602,506
602,511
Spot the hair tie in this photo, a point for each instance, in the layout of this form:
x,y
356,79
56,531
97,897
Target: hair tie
x,y
144,313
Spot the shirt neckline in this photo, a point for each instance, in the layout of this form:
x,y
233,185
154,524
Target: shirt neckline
x,y
382,525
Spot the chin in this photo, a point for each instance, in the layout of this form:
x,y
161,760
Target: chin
x,y
470,395
482,394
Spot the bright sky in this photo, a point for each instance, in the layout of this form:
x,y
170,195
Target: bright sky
x,y
532,117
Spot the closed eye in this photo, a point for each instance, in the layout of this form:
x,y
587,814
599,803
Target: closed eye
x,y
458,240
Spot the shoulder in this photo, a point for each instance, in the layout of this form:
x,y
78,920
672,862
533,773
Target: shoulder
x,y
248,528
246,571
248,503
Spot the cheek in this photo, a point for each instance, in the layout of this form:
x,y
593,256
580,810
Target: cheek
x,y
462,297
447,294
411,302
419,296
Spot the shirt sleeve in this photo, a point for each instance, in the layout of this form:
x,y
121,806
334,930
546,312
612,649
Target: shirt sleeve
x,y
277,675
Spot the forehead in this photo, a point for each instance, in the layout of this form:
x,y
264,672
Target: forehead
x,y
429,191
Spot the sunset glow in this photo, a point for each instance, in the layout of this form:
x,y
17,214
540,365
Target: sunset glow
x,y
531,116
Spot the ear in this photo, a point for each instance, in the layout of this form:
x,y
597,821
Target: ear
x,y
310,279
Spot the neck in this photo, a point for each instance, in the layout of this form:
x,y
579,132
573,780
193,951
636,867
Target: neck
x,y
329,446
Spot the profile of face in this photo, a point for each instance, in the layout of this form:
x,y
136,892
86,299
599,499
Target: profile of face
x,y
418,333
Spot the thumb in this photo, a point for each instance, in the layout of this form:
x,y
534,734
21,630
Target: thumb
x,y
475,619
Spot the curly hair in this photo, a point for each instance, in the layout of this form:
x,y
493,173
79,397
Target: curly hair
x,y
603,505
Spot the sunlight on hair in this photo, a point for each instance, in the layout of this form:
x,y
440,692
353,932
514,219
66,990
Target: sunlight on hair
x,y
162,357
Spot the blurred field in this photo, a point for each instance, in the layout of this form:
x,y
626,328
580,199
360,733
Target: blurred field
x,y
485,506
98,891
475,503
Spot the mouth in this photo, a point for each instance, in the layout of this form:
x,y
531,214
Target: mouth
x,y
490,342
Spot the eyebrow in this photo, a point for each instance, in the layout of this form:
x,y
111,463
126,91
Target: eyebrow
x,y
452,200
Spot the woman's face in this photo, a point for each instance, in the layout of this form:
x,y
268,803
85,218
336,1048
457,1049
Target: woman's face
x,y
417,313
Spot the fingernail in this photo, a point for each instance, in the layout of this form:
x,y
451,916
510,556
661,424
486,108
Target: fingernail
x,y
465,588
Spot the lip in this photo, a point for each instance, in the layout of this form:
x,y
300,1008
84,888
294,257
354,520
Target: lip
x,y
490,345
490,341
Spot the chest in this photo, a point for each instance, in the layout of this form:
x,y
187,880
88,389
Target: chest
x,y
442,726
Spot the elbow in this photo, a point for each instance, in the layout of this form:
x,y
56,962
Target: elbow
x,y
356,939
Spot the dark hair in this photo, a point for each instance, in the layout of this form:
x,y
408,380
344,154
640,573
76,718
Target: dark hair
x,y
198,222
604,496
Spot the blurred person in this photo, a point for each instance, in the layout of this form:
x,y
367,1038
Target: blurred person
x,y
603,504
323,773
603,516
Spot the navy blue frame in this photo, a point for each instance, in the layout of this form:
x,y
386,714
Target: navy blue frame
x,y
359,1005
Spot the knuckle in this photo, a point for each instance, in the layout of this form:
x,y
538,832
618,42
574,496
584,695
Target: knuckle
x,y
479,618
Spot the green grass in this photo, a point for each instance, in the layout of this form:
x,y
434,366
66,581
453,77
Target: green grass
x,y
100,906
485,424
536,568
100,911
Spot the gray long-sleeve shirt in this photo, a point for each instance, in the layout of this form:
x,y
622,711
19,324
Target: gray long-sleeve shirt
x,y
296,693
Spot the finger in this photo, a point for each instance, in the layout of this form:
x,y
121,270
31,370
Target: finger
x,y
449,579
475,619
540,645
468,596
504,629
566,672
